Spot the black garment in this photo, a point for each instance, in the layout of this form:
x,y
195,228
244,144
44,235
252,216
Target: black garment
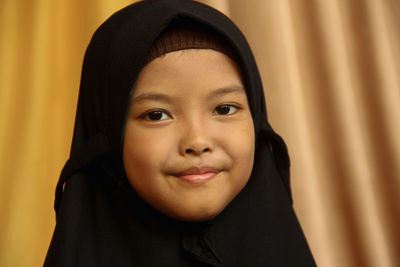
x,y
101,221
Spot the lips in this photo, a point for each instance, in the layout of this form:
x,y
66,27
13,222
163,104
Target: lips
x,y
198,175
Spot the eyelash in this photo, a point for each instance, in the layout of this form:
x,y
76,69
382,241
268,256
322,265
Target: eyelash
x,y
147,115
165,115
230,106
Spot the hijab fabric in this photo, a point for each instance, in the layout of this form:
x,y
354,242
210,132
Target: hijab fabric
x,y
101,221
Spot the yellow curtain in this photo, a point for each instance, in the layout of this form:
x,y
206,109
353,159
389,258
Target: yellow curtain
x,y
331,76
41,52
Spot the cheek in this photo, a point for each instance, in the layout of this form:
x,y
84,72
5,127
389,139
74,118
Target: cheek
x,y
145,152
245,151
240,142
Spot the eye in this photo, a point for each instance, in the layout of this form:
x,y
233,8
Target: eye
x,y
225,110
156,115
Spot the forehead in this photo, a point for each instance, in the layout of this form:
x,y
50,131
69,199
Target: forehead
x,y
189,73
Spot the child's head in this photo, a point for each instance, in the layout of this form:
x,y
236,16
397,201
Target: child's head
x,y
189,136
178,115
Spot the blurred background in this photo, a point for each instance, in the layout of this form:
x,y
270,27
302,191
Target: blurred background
x,y
331,76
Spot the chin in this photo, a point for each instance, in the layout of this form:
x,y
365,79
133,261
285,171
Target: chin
x,y
195,214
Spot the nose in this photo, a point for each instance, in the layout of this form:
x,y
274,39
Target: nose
x,y
195,140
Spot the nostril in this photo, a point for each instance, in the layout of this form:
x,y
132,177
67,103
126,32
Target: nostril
x,y
195,151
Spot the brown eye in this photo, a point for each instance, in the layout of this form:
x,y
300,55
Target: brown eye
x,y
225,110
156,115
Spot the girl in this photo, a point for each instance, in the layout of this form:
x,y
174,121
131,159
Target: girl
x,y
173,161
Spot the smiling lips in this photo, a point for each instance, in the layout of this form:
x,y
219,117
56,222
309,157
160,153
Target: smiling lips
x,y
198,174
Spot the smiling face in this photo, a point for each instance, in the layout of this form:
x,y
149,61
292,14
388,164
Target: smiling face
x,y
189,138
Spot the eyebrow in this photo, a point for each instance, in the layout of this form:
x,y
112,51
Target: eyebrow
x,y
152,96
234,89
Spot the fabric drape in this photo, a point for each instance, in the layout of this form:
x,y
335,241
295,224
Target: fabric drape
x,y
331,76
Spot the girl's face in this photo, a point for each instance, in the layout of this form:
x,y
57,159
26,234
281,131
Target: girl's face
x,y
189,140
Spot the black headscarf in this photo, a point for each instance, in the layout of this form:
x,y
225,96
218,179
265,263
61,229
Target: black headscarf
x,y
101,221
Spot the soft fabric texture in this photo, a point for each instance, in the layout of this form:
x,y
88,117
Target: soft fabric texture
x,y
187,35
100,219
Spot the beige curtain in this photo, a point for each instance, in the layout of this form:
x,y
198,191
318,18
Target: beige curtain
x,y
331,75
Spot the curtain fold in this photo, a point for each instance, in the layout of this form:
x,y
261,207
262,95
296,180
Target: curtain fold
x,y
330,70
331,77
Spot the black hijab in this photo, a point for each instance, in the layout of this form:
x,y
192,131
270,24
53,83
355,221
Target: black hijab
x,y
101,221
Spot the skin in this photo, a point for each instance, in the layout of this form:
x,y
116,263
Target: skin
x,y
189,139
